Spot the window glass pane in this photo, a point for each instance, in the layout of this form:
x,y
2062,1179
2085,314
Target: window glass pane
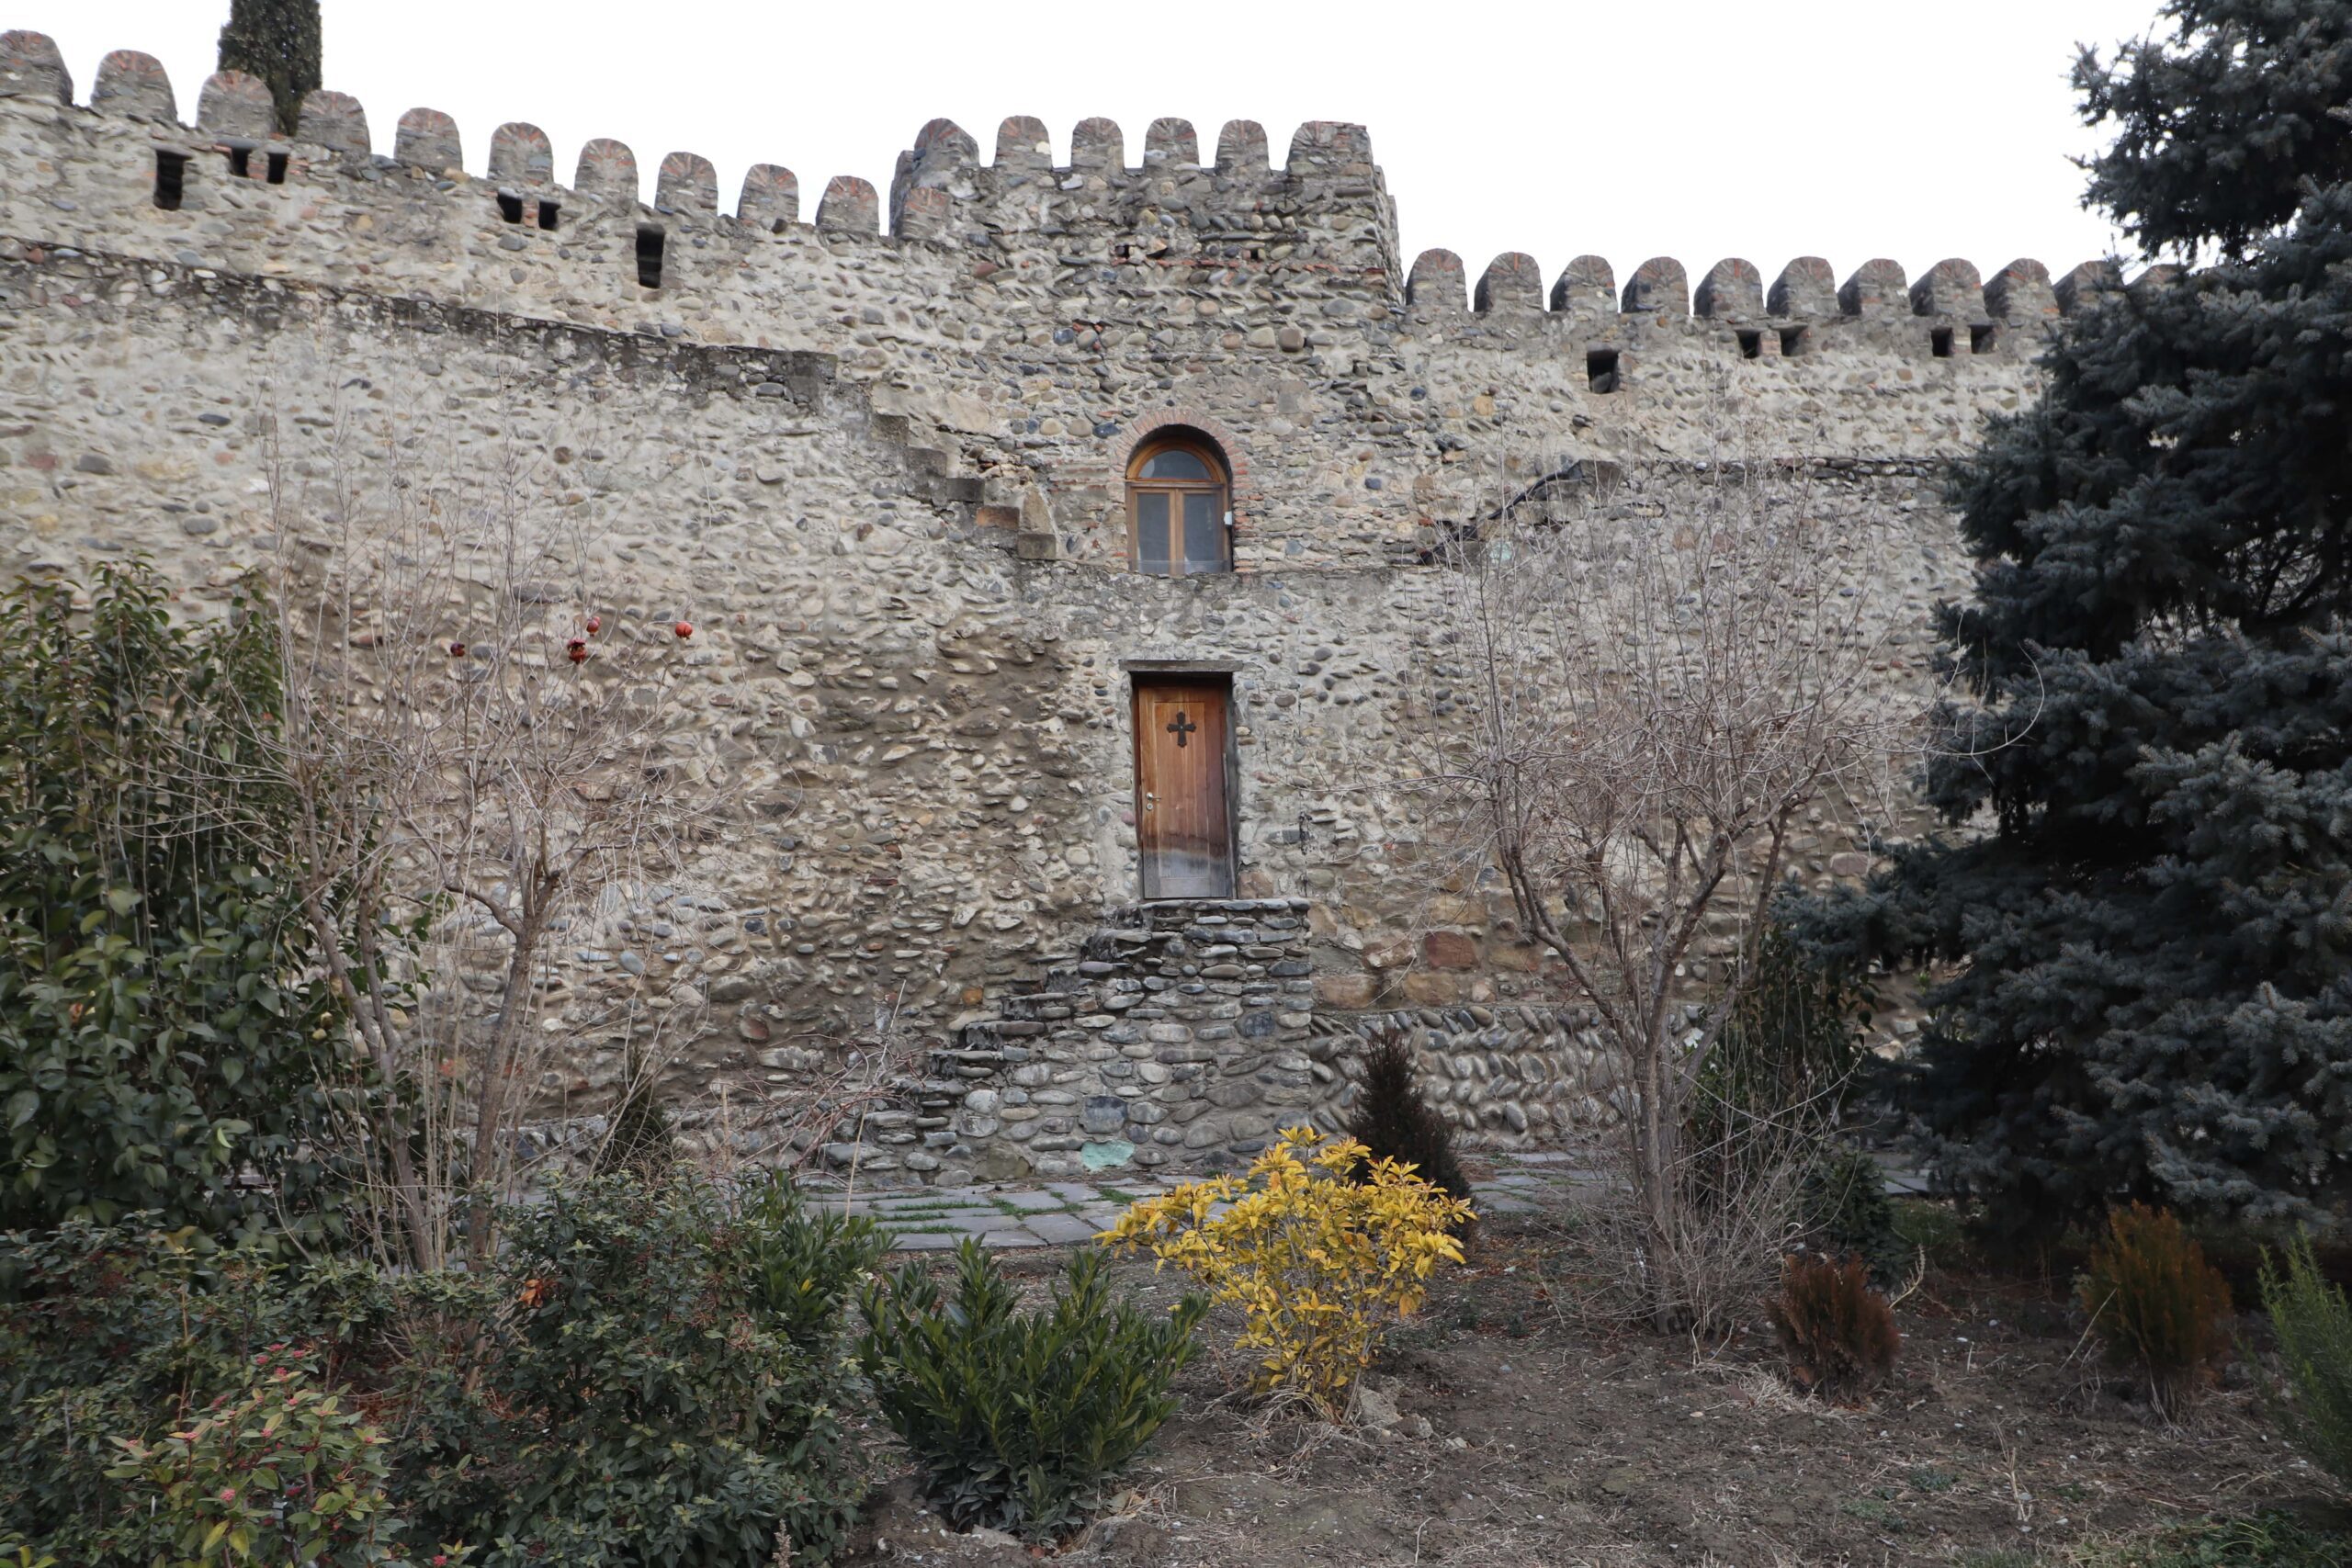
x,y
1176,466
1151,530
1203,531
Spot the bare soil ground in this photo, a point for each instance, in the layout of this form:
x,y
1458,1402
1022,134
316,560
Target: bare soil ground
x,y
2001,1442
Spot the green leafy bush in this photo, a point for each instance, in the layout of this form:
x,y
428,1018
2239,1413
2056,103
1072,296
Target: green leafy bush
x,y
2314,1324
111,1340
641,1406
1840,1334
625,1387
1847,1212
163,1045
280,1472
801,1263
1392,1120
1017,1418
2157,1306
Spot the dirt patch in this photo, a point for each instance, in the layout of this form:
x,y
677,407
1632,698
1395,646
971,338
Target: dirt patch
x,y
1551,1443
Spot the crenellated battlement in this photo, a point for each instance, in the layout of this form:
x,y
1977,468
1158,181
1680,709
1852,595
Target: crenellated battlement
x,y
1733,292
1237,220
1326,203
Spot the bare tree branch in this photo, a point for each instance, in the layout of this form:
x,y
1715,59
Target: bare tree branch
x,y
1667,673
480,743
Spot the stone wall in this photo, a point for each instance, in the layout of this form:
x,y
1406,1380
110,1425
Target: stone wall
x,y
1180,1034
883,473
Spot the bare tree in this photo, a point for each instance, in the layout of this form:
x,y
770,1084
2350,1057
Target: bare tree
x,y
882,1069
1655,678
483,744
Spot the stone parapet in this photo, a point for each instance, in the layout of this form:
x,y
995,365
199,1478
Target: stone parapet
x,y
1237,226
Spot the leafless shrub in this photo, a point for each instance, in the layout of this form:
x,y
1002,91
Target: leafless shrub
x,y
1731,1222
1654,677
880,1069
484,745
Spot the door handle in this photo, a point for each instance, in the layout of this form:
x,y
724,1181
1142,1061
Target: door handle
x,y
1149,800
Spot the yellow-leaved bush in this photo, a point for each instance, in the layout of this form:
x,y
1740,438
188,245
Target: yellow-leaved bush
x,y
1319,1245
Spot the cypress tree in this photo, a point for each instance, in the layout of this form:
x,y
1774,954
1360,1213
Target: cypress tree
x,y
2144,878
1392,1120
278,40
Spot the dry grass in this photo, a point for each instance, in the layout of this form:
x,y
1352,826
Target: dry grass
x,y
1563,1437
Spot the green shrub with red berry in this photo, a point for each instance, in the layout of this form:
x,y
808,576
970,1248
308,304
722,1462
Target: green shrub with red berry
x,y
279,1473
650,1374
170,1404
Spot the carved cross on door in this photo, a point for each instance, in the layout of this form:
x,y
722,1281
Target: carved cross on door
x,y
1180,727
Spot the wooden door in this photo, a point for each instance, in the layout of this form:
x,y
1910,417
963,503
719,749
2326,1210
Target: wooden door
x,y
1183,816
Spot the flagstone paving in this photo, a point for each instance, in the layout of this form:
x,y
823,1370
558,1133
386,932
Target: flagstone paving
x,y
1064,1214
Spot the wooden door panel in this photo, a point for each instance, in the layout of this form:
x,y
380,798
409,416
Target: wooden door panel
x,y
1184,825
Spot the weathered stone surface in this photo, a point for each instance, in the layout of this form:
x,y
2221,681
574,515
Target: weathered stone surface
x,y
1732,290
885,475
32,67
519,154
334,120
136,85
1449,950
235,104
428,139
771,197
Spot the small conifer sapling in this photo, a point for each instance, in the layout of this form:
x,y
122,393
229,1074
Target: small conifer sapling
x,y
1392,1119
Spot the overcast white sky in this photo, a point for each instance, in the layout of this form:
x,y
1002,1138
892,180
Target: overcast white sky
x,y
1834,128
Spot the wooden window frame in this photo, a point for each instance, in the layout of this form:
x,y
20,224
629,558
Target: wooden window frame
x,y
1220,486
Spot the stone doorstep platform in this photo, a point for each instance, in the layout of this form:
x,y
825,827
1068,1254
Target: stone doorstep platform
x,y
1066,1213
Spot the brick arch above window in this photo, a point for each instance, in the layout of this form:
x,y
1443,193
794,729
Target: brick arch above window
x,y
1179,504
1178,419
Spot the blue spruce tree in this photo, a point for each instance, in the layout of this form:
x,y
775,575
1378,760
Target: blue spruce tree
x,y
2141,900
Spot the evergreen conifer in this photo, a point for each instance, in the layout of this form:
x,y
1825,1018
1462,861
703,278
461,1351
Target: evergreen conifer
x,y
2145,891
1394,1122
642,1140
278,40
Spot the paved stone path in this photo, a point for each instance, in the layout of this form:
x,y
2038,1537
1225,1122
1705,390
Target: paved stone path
x,y
1061,1214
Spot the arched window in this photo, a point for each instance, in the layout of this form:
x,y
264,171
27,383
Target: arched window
x,y
1178,503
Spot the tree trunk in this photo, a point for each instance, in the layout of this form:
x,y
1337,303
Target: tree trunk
x,y
490,1087
1660,1155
